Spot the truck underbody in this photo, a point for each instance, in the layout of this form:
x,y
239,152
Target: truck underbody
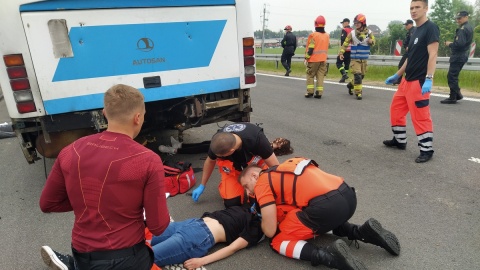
x,y
49,134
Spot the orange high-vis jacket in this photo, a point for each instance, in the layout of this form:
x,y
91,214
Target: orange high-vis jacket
x,y
294,182
319,42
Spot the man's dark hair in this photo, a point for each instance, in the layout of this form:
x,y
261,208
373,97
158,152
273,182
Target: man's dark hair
x,y
222,143
425,1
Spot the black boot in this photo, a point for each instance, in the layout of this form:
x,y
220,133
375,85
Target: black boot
x,y
372,232
459,95
336,256
350,87
394,143
450,100
288,72
344,76
424,156
317,95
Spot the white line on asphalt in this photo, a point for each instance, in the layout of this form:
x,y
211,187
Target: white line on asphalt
x,y
369,86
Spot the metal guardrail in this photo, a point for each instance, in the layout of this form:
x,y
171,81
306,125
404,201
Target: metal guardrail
x,y
377,60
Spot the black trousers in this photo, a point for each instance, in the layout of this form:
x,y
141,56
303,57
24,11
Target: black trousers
x,y
330,211
345,62
402,60
452,77
286,60
140,257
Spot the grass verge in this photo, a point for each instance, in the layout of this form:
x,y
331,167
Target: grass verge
x,y
469,80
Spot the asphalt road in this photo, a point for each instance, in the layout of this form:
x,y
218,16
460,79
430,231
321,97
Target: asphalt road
x,y
433,208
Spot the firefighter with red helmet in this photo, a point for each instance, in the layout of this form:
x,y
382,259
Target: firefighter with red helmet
x,y
297,201
289,45
316,52
359,41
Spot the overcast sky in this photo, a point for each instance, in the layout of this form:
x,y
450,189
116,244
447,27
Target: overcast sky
x,y
300,14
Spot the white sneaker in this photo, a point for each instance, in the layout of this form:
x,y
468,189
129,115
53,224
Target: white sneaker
x,y
55,260
175,144
167,149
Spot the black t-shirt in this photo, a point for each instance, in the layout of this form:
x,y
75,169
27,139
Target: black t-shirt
x,y
238,222
254,143
423,35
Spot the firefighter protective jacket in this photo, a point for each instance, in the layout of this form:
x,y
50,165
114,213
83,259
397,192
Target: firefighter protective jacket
x,y
319,43
461,45
289,43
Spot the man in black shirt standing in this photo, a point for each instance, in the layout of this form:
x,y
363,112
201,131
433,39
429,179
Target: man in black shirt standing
x,y
460,49
289,45
413,93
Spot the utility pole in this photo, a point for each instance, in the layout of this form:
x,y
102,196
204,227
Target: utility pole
x,y
263,25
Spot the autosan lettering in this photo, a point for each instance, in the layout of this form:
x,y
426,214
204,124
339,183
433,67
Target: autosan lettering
x,y
148,61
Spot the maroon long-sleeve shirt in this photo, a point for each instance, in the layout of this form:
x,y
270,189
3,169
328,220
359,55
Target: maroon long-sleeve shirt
x,y
107,179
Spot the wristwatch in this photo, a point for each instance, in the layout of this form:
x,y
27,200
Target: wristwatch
x,y
429,76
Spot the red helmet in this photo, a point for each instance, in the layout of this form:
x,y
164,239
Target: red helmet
x,y
320,21
288,27
360,18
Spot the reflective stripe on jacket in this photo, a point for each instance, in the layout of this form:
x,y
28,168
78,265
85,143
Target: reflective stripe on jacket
x,y
360,49
295,182
319,42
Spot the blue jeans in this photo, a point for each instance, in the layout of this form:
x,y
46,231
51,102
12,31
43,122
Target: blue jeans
x,y
181,241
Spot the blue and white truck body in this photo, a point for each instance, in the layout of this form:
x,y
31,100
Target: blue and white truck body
x,y
193,60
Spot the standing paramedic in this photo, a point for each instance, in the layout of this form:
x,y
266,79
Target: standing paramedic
x,y
344,65
316,52
108,179
298,201
413,93
359,42
232,149
460,48
409,27
289,45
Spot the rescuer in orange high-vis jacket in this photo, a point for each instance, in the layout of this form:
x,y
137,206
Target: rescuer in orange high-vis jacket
x,y
316,52
297,201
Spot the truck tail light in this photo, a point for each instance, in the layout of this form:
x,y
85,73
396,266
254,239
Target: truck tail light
x,y
26,107
16,72
13,60
249,60
19,83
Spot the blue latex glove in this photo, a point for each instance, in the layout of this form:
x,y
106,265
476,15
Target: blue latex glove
x,y
392,79
197,192
427,86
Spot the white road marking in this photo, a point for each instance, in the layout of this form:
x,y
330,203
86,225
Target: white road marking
x,y
386,88
476,160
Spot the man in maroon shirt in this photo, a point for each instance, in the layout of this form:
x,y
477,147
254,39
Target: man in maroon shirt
x,y
108,179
